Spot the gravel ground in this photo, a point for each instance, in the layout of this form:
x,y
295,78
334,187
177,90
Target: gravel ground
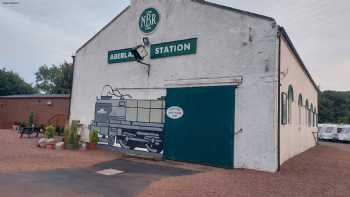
x,y
22,155
322,171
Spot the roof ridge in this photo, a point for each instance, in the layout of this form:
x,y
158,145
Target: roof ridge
x,y
234,9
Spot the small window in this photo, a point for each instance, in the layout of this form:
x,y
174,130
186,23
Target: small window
x,y
284,108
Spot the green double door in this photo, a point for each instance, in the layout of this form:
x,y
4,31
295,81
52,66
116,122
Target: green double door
x,y
205,132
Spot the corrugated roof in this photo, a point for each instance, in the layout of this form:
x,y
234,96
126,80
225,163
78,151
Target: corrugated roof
x,y
38,96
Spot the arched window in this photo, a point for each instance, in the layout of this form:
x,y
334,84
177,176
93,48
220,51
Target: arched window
x,y
306,112
284,98
310,115
300,105
290,103
315,117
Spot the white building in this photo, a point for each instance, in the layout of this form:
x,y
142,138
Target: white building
x,y
217,69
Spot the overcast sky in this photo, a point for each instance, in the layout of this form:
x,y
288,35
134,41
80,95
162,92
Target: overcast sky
x,y
37,32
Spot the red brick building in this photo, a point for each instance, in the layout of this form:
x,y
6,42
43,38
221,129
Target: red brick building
x,y
47,109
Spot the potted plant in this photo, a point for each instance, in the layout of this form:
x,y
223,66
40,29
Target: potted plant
x,y
71,136
93,139
50,132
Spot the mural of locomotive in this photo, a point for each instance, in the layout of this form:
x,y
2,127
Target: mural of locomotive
x,y
129,123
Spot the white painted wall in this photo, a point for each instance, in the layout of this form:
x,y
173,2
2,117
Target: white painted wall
x,y
296,137
224,50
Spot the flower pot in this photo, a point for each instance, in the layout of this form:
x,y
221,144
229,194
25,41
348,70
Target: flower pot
x,y
50,146
92,146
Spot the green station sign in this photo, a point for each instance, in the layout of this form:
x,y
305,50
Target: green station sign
x,y
149,20
174,48
160,50
119,56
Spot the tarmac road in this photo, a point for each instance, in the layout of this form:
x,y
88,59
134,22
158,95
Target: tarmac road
x,y
86,182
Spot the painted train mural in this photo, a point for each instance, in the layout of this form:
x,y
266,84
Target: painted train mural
x,y
128,123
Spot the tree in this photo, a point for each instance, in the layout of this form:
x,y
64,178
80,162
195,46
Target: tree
x,y
55,79
11,83
334,107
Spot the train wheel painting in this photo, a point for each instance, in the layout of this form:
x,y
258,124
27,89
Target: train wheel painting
x,y
125,143
127,123
111,140
153,148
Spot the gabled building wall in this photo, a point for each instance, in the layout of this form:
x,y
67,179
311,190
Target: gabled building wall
x,y
296,136
231,45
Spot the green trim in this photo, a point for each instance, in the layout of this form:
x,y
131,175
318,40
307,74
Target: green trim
x,y
174,48
149,20
300,101
119,56
291,93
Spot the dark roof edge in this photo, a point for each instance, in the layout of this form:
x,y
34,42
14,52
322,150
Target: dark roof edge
x,y
234,10
295,52
103,28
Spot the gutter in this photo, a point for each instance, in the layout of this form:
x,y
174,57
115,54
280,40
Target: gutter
x,y
279,104
70,96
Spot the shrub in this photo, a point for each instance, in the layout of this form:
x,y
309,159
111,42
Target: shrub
x,y
73,137
66,133
22,124
50,131
94,136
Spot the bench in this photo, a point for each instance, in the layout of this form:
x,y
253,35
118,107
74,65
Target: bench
x,y
29,131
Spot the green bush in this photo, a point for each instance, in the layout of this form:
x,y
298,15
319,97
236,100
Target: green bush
x,y
66,133
73,137
22,124
50,131
94,136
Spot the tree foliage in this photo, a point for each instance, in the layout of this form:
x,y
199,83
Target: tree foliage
x,y
55,79
334,107
11,84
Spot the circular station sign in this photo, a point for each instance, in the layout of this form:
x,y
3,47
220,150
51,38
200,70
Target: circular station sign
x,y
149,20
174,112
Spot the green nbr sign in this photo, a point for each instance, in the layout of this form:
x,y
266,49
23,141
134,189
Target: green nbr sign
x,y
119,56
149,20
174,48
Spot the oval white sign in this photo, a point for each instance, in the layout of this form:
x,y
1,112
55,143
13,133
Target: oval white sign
x,y
175,112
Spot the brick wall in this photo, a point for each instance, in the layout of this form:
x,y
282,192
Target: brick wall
x,y
46,110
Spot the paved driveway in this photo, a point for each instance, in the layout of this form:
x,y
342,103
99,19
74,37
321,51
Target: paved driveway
x,y
86,182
